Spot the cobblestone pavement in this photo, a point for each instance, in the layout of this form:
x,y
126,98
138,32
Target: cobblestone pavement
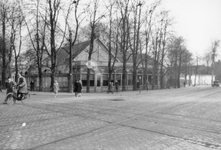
x,y
175,119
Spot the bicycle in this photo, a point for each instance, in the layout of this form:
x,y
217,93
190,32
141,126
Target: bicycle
x,y
15,97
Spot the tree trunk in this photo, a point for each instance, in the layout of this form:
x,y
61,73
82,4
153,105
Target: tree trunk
x,y
3,50
124,74
40,79
70,80
179,70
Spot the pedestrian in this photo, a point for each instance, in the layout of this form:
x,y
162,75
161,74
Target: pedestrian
x,y
116,86
110,88
32,84
138,85
79,88
56,88
147,84
22,87
9,88
76,88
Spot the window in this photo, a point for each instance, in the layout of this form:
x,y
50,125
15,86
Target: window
x,y
105,79
118,78
130,79
84,79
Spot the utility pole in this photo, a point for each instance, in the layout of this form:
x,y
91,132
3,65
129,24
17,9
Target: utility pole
x,y
213,60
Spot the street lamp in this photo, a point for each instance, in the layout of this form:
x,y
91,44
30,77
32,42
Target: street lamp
x,y
139,84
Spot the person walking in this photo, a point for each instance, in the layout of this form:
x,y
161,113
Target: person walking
x,y
76,88
9,88
32,84
116,86
147,84
79,88
56,88
110,88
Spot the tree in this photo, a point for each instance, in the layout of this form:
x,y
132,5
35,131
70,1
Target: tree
x,y
147,32
215,44
111,34
94,20
176,50
37,35
55,43
16,23
136,44
165,33
186,63
5,48
208,60
124,37
72,40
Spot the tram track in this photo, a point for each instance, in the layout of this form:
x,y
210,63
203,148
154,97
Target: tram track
x,y
139,115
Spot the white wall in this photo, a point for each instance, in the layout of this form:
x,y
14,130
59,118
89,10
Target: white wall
x,y
201,79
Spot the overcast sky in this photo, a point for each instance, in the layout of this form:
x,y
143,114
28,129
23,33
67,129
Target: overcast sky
x,y
198,21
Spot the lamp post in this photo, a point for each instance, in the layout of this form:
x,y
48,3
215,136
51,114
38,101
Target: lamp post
x,y
140,84
138,37
213,60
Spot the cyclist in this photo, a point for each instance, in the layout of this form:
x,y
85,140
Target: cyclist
x,y
22,87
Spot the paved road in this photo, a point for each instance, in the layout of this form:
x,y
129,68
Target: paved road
x,y
175,119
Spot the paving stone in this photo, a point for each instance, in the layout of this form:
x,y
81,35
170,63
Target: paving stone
x,y
176,119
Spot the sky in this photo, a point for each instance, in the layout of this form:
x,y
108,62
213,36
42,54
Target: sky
x,y
198,22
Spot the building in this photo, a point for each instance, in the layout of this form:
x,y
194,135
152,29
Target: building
x,y
99,75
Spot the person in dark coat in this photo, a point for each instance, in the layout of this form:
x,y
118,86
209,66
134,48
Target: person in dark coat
x,y
110,88
32,84
76,88
147,84
116,85
79,88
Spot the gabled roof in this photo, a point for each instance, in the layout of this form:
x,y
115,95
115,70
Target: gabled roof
x,y
63,56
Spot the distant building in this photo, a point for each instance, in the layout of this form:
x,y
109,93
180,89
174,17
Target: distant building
x,y
217,70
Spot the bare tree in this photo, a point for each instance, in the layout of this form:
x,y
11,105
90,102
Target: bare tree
x,y
72,39
94,20
215,45
136,44
124,38
16,23
111,36
54,8
37,35
179,58
147,32
208,60
165,33
5,51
